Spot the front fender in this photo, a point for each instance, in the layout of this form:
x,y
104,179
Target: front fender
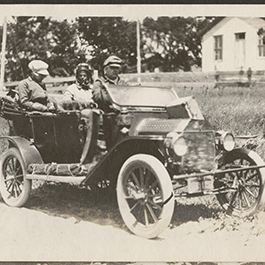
x,y
28,151
254,156
111,163
235,152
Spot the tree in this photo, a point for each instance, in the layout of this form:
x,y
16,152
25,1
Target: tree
x,y
170,43
63,51
42,38
176,39
108,35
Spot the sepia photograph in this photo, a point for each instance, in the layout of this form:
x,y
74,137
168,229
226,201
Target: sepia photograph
x,y
132,134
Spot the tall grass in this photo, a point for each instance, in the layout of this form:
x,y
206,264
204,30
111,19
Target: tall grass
x,y
240,110
237,109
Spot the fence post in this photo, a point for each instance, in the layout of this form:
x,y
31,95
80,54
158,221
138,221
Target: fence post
x,y
2,74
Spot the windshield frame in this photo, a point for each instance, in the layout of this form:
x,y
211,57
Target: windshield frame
x,y
116,98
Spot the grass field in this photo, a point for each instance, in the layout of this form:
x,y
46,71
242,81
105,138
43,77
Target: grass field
x,y
240,110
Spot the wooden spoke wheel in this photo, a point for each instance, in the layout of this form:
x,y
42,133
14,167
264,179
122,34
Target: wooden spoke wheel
x,y
14,187
145,195
241,192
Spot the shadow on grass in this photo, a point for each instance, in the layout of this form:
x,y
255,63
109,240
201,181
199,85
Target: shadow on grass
x,y
64,200
192,213
67,201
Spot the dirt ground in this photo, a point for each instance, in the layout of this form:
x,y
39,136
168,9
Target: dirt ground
x,y
64,223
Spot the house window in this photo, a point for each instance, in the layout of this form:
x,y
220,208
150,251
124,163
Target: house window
x,y
218,47
240,36
261,46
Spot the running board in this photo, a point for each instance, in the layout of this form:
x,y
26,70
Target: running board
x,y
61,179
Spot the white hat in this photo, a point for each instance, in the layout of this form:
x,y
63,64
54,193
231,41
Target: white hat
x,y
113,60
39,67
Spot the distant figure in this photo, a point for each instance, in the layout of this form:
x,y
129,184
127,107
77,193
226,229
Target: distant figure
x,y
217,74
111,68
249,75
241,73
216,77
32,91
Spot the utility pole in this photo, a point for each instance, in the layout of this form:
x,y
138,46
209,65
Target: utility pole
x,y
138,52
2,73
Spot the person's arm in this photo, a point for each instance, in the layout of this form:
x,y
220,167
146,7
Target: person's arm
x,y
24,98
68,98
24,95
100,95
68,95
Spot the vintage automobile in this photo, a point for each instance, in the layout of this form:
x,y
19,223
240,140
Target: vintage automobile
x,y
159,147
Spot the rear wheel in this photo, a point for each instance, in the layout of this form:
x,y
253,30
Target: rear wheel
x,y
145,195
14,187
241,192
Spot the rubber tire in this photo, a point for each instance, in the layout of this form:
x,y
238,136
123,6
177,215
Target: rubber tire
x,y
255,159
26,189
161,174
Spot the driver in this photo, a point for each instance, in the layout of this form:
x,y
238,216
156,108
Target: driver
x,y
111,68
80,91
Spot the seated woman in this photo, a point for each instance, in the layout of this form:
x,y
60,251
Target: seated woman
x,y
32,91
79,94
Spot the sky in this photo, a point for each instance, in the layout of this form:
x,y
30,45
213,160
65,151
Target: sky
x,y
130,12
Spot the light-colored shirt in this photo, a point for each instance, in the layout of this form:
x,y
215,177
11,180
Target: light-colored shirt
x,y
76,93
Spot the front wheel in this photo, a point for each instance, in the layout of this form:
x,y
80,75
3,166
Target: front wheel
x,y
14,187
241,192
145,195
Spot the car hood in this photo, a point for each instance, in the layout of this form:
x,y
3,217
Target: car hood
x,y
156,126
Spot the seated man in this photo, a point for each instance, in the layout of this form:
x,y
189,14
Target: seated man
x,y
79,93
111,68
32,91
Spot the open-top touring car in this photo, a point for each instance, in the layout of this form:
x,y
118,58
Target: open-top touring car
x,y
158,147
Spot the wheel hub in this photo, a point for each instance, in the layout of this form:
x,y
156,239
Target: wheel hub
x,y
238,184
242,182
140,195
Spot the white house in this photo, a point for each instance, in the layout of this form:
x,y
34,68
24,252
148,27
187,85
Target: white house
x,y
234,44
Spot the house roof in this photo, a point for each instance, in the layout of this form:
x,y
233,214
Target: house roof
x,y
255,22
211,25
